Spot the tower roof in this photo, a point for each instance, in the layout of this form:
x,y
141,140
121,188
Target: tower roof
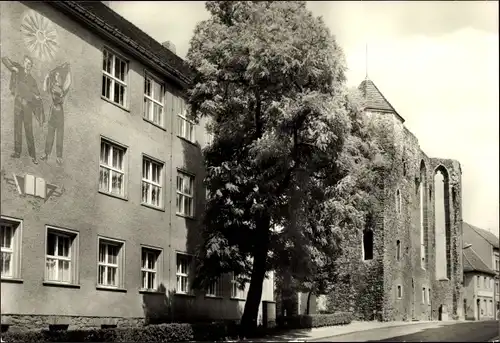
x,y
375,100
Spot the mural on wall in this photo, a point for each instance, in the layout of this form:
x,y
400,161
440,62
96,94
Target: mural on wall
x,y
30,95
27,103
39,36
58,89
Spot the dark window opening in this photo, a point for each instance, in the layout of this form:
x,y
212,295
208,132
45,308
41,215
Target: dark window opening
x,y
398,250
368,245
58,327
5,327
108,326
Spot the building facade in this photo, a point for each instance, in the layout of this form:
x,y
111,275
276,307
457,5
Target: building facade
x,y
408,266
102,175
485,245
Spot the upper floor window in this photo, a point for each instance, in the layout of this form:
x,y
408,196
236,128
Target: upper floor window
x,y
185,193
497,266
153,100
367,244
398,250
185,127
151,182
114,78
111,168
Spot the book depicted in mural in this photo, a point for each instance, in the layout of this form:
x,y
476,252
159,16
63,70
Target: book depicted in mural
x,y
34,186
27,103
39,36
57,83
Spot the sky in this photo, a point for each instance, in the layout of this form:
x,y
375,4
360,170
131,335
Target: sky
x,y
436,63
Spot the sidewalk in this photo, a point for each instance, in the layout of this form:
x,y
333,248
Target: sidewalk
x,y
330,331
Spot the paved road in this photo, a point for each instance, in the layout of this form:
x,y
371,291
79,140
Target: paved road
x,y
482,331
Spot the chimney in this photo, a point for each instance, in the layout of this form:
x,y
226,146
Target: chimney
x,y
169,45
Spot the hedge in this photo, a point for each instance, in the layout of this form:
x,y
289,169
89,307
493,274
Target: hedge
x,y
314,320
172,332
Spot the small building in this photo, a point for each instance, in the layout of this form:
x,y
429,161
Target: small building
x,y
479,286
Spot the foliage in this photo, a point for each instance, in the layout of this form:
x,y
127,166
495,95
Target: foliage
x,y
288,169
172,332
314,321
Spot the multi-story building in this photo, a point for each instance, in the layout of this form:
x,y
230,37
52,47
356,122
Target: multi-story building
x,y
408,266
486,245
101,171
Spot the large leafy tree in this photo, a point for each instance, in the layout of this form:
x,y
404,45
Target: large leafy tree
x,y
271,81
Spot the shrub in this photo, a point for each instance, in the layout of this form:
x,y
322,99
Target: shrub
x,y
314,320
172,332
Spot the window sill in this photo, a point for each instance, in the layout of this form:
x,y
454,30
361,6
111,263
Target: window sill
x,y
237,299
111,289
113,195
12,280
60,284
189,295
114,103
216,297
443,279
187,140
161,209
185,216
151,291
154,124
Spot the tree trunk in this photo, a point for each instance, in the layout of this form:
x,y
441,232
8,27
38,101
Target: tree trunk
x,y
308,302
250,314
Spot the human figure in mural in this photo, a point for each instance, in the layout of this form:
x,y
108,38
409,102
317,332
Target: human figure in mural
x,y
27,102
57,83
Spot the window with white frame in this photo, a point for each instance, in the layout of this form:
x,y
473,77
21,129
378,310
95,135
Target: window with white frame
x,y
185,127
110,263
152,182
400,292
150,268
61,255
153,100
236,291
10,243
215,289
183,273
114,78
185,194
112,168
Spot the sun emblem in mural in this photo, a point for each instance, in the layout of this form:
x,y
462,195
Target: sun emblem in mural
x,y
39,36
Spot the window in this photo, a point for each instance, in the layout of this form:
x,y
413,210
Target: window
x,y
183,271
61,256
111,168
150,268
114,78
110,263
368,245
398,250
215,289
429,296
236,291
398,201
423,295
400,292
10,240
185,127
184,201
490,308
153,100
497,266
152,182
497,285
